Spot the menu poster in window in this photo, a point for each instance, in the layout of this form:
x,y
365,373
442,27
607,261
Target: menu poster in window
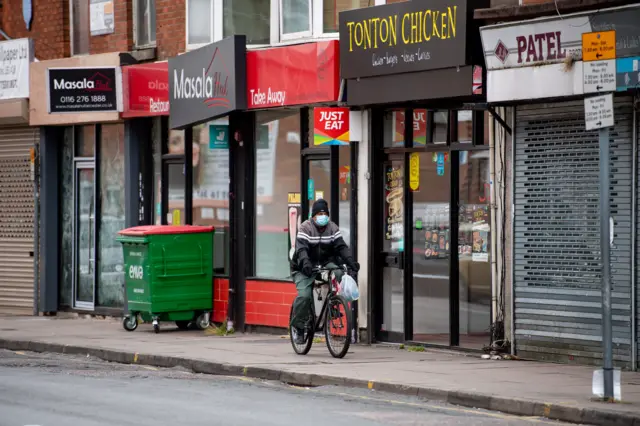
x,y
480,246
419,128
267,139
394,203
437,233
294,213
211,165
480,233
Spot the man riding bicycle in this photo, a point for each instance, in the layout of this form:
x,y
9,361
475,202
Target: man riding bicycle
x,y
318,243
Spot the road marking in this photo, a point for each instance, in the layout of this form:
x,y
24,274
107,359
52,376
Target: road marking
x,y
149,368
135,358
437,407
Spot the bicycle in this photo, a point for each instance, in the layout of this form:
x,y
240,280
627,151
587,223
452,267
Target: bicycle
x,y
325,287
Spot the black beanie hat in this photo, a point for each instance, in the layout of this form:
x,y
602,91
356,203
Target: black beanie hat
x,y
319,206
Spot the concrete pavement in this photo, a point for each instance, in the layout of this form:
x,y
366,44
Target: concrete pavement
x,y
561,392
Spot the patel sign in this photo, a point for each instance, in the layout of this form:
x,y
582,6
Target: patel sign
x,y
331,126
146,90
207,83
293,75
403,37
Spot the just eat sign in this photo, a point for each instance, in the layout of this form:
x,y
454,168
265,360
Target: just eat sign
x,y
331,126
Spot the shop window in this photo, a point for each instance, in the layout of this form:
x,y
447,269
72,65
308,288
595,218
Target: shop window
x,y
394,128
211,186
474,248
295,18
440,127
332,8
156,138
66,216
277,175
465,126
249,17
80,27
111,216
84,141
346,197
175,178
199,22
145,22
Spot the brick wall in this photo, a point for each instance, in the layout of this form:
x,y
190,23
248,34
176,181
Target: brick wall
x,y
220,299
122,39
269,303
170,28
49,26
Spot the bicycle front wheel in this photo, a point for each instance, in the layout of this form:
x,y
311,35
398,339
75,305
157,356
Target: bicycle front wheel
x,y
337,329
300,348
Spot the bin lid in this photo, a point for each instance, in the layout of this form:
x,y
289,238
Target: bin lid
x,y
141,231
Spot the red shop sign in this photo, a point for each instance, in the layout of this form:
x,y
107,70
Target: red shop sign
x,y
293,75
146,90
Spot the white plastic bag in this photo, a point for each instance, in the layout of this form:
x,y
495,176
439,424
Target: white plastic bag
x,y
349,288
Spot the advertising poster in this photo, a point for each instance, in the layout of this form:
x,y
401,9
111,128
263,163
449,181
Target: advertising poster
x,y
436,234
294,211
480,252
330,126
266,159
394,205
419,128
102,17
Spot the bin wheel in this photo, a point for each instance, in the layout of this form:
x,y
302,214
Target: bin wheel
x,y
203,321
130,322
183,325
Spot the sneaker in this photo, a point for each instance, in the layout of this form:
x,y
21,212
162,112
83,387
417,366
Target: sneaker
x,y
298,336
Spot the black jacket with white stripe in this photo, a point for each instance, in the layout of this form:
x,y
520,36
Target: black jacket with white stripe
x,y
320,246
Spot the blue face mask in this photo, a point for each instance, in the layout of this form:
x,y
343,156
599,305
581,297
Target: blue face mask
x,y
322,220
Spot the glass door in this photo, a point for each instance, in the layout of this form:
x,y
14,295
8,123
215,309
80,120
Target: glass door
x,y
84,236
393,238
431,233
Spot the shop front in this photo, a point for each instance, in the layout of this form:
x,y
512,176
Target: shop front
x,y
18,144
289,89
76,104
201,159
417,72
537,67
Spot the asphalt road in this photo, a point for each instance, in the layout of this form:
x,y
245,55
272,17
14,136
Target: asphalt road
x,y
60,390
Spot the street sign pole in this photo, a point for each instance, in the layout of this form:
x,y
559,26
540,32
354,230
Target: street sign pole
x,y
599,76
607,328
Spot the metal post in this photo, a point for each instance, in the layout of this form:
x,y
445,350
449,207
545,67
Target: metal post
x,y
607,329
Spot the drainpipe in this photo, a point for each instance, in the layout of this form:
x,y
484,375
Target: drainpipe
x,y
494,213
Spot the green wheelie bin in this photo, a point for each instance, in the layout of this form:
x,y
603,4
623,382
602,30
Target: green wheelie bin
x,y
168,275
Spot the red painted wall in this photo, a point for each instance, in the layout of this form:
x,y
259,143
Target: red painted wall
x,y
269,303
220,299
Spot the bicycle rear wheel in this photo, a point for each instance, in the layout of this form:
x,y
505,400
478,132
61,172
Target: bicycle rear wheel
x,y
304,348
337,329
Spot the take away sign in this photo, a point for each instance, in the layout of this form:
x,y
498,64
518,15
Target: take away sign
x,y
330,126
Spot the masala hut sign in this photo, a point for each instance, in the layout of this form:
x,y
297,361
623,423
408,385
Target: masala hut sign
x,y
403,37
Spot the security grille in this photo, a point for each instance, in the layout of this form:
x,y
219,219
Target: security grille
x,y
557,242
16,220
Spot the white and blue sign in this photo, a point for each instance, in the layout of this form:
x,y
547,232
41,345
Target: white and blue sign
x,y
311,189
440,164
218,136
627,73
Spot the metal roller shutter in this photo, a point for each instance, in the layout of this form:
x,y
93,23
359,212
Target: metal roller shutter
x,y
16,220
557,245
